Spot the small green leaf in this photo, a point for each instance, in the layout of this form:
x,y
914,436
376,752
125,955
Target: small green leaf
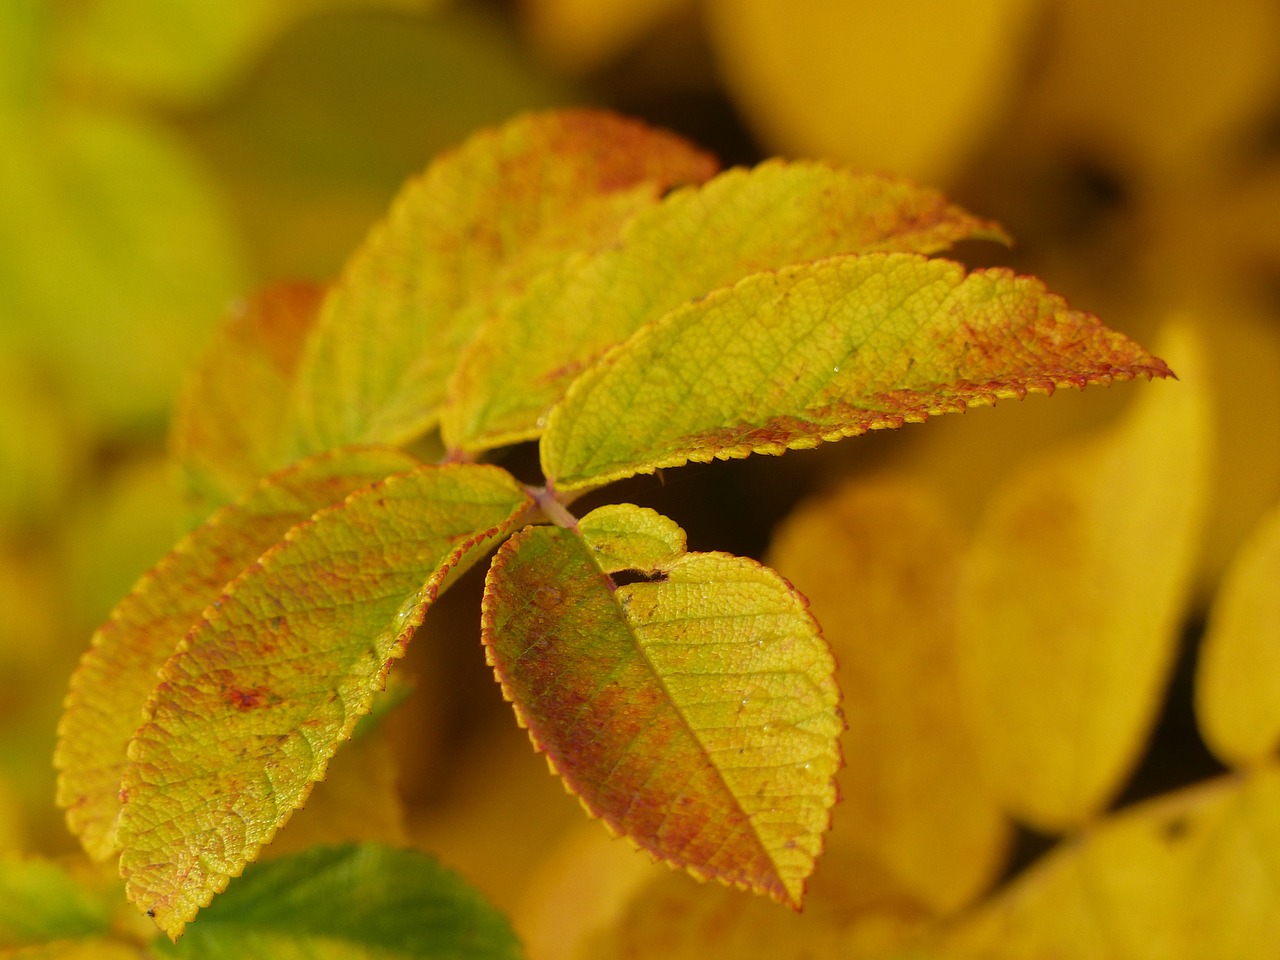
x,y
822,351
695,714
477,226
741,222
276,674
116,675
350,903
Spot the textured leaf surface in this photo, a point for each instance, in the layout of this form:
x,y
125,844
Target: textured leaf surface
x,y
695,241
1072,597
229,423
696,713
479,224
823,351
265,687
878,564
118,673
1238,673
1190,875
350,903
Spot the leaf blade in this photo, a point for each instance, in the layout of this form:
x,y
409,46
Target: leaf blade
x,y
262,691
694,241
116,675
819,352
696,715
479,224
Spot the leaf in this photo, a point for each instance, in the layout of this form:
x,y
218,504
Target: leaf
x,y
1238,673
823,351
116,675
41,900
696,714
581,35
229,422
274,676
1072,597
743,221
478,225
350,902
1190,874
878,563
881,83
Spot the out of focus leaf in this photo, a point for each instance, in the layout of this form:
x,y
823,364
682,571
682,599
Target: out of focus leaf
x,y
118,672
229,424
1238,675
1072,597
696,713
878,565
42,901
1191,874
885,84
524,358
117,257
822,351
478,225
181,51
581,35
279,669
356,902
39,445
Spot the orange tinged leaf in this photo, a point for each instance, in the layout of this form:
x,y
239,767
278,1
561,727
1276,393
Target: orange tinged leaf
x,y
118,672
695,241
275,675
1072,597
482,222
822,351
229,422
878,564
695,713
1238,674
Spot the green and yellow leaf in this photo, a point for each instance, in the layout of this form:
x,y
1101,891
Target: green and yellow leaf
x,y
279,669
695,713
480,224
822,351
878,564
42,901
1238,673
348,902
118,672
695,241
229,422
1072,598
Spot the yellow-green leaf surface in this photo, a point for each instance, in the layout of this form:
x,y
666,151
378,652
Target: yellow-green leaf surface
x,y
1189,876
229,422
42,901
1238,674
878,564
1072,596
117,673
479,224
822,351
695,241
695,713
275,675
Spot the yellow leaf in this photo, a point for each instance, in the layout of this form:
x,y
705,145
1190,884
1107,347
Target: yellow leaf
x,y
821,351
1189,875
581,35
696,713
743,221
1072,598
483,220
116,675
909,86
878,564
1238,673
273,678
